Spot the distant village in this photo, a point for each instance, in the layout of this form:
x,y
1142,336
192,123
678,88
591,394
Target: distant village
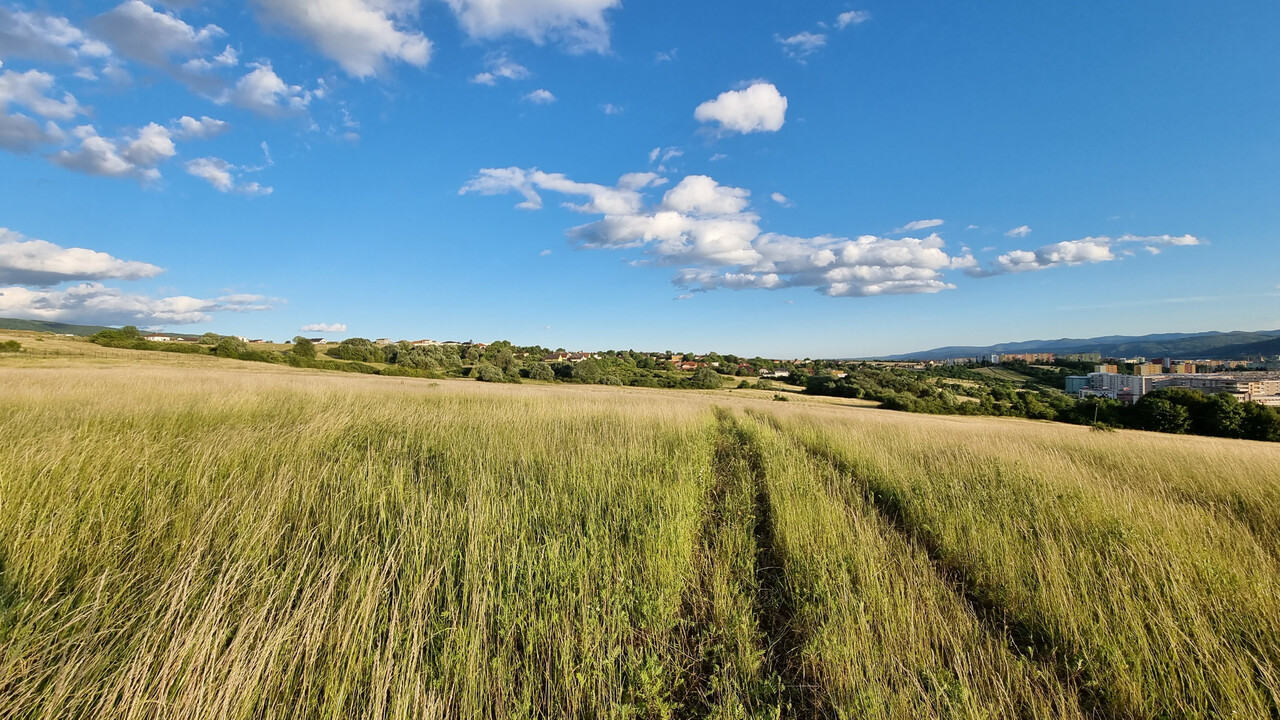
x,y
1124,379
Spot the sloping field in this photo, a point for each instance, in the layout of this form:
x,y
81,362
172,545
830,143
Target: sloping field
x,y
220,540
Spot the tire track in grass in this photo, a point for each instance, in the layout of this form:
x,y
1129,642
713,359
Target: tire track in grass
x,y
1025,638
743,640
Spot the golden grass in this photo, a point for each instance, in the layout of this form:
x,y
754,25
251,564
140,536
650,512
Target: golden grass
x,y
191,537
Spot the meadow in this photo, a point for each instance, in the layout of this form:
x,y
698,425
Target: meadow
x,y
194,537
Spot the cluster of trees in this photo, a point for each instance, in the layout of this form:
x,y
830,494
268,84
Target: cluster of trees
x,y
962,391
10,346
498,362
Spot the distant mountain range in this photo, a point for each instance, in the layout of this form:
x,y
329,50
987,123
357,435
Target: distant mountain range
x,y
1191,346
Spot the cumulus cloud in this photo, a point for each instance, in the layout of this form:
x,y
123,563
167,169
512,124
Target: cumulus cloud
x,y
624,199
853,17
222,175
579,24
189,128
130,157
1019,232
709,231
28,261
264,92
915,225
540,97
138,31
1086,250
30,89
43,37
500,67
758,108
781,199
362,36
324,327
802,44
98,304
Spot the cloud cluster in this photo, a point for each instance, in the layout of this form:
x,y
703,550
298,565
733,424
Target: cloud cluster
x,y
222,175
757,108
30,90
324,327
852,17
28,261
30,270
802,44
264,92
711,233
360,35
133,157
579,24
1086,250
45,38
500,67
95,303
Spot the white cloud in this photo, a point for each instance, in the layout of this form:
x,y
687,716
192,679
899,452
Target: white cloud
x,y
30,89
189,128
802,44
134,157
781,199
623,199
758,108
710,232
150,147
915,225
360,35
1172,240
853,17
28,261
500,67
664,56
544,253
610,109
98,304
45,38
324,327
222,176
579,24
1019,232
264,92
540,97
153,38
21,134
1078,252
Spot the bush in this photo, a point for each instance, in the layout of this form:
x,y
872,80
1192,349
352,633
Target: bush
x,y
489,373
303,348
609,380
358,349
229,347
10,346
541,371
706,379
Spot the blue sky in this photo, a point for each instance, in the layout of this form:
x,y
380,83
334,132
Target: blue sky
x,y
787,179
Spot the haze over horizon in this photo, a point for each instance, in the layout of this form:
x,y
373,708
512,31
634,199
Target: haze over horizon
x,y
832,180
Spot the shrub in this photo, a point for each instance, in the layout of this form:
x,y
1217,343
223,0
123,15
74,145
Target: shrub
x,y
303,348
229,347
10,346
609,380
541,371
489,373
706,379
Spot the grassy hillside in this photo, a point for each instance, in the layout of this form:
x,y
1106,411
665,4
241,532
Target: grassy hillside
x,y
202,538
50,327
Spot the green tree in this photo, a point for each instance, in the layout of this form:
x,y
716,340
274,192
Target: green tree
x,y
229,347
1161,415
489,373
303,348
587,371
541,371
706,379
210,338
10,346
